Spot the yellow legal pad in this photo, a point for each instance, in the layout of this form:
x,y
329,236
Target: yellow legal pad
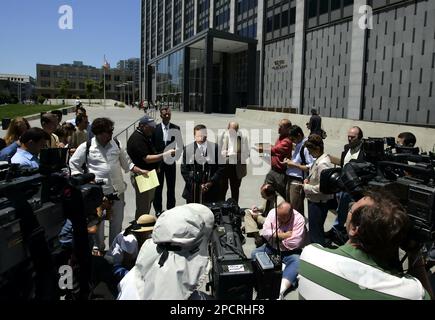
x,y
147,183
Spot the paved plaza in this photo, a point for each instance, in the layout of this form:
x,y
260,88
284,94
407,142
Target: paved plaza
x,y
249,191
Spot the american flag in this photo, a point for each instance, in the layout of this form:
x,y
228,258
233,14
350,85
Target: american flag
x,y
106,64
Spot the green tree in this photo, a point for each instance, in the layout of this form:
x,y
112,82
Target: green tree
x,y
90,85
64,86
100,89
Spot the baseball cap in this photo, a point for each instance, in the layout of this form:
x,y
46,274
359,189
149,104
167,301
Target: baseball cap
x,y
148,121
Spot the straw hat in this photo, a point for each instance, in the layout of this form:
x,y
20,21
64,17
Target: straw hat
x,y
144,223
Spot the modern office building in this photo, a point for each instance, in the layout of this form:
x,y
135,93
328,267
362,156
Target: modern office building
x,y
339,56
17,87
50,77
132,65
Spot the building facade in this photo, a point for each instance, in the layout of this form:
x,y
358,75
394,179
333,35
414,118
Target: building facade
x,y
50,78
16,87
132,65
358,59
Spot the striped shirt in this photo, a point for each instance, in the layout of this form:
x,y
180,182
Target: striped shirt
x,y
349,273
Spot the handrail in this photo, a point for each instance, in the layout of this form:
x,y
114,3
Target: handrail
x,y
148,112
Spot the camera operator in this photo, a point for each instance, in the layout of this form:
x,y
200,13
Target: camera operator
x,y
406,139
291,235
173,264
255,217
105,158
32,141
352,151
367,266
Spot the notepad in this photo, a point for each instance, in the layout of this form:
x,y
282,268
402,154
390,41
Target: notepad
x,y
147,183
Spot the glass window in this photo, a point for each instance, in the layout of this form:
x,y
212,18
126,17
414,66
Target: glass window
x,y
276,21
284,19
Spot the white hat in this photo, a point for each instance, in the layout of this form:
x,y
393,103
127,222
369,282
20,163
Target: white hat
x,y
171,265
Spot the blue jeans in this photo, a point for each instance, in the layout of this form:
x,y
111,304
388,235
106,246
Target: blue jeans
x,y
291,262
342,210
317,213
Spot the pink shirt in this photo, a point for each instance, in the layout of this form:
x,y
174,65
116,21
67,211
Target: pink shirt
x,y
296,224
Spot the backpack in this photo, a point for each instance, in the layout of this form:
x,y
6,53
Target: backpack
x,y
303,160
88,146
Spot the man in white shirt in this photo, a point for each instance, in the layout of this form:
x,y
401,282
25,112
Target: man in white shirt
x,y
105,159
235,150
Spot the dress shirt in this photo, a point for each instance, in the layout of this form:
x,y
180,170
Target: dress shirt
x,y
352,154
295,224
202,148
295,172
105,162
25,159
165,130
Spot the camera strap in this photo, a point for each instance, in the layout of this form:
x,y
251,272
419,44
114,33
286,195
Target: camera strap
x,y
88,146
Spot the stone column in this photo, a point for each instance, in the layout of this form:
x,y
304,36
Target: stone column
x,y
357,65
299,57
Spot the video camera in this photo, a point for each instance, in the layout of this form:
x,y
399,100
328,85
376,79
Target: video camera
x,y
34,206
404,172
233,275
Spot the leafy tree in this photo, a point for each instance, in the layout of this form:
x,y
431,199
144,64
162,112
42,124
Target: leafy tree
x,y
100,89
64,86
89,85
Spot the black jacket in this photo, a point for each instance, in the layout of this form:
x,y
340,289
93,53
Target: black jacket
x,y
176,139
346,149
209,170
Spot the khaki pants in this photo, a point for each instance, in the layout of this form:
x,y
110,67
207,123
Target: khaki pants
x,y
252,225
143,200
296,194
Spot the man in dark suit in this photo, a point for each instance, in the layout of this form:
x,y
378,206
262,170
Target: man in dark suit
x,y
202,169
352,150
166,136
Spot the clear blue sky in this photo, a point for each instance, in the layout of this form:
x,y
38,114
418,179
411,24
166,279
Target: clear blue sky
x,y
30,34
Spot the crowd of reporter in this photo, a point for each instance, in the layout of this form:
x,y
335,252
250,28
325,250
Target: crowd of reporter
x,y
154,246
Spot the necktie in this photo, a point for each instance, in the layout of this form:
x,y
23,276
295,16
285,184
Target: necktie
x,y
165,135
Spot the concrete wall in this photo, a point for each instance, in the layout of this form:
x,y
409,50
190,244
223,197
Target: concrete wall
x,y
85,102
327,69
401,65
278,73
337,128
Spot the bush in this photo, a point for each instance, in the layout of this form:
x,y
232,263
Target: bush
x,y
41,100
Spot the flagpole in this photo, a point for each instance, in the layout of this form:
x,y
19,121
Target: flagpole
x,y
104,85
104,80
